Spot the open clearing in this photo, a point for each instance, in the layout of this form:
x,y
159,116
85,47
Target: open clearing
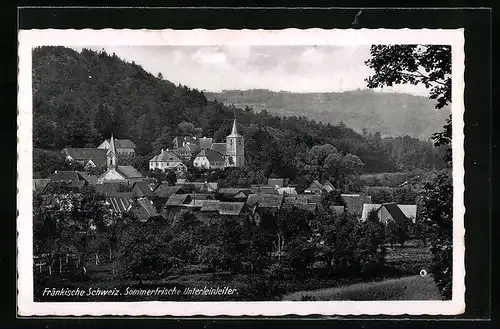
x,y
407,288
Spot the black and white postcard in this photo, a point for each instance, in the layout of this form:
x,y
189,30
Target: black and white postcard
x,y
241,172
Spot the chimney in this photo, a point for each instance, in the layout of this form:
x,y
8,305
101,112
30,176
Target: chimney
x,y
161,150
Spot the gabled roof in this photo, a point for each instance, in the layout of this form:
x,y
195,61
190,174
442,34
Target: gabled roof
x,y
143,189
265,200
177,199
328,186
120,204
63,187
275,182
145,209
65,176
231,192
211,155
264,189
354,202
123,143
91,179
98,156
315,185
40,183
394,211
231,208
410,210
219,147
112,188
129,172
166,156
210,206
312,207
165,191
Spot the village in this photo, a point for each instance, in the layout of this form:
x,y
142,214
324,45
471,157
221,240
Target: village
x,y
128,191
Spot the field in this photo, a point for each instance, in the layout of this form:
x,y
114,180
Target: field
x,y
399,280
408,288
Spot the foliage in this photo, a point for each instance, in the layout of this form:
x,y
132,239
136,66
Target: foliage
x,y
399,231
429,65
437,211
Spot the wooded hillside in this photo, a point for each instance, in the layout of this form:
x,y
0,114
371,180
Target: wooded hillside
x,y
81,98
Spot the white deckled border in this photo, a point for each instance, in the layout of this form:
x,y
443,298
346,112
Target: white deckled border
x,y
108,37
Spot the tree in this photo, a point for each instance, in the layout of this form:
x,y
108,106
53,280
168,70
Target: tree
x,y
429,65
437,211
399,230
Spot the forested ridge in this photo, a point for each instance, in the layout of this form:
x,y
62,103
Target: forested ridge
x,y
81,98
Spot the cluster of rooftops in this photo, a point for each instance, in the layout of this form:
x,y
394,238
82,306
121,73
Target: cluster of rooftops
x,y
147,198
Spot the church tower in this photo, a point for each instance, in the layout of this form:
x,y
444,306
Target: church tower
x,y
111,154
235,148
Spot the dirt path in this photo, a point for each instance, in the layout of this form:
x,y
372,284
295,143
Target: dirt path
x,y
407,288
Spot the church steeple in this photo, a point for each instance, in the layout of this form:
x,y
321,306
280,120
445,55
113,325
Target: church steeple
x,y
235,148
111,154
234,131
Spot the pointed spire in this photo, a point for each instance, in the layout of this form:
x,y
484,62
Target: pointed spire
x,y
112,144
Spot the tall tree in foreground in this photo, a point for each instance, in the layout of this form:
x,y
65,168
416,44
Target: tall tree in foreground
x,y
429,65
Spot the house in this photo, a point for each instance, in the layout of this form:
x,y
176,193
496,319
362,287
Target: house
x,y
167,160
390,211
123,147
265,203
355,202
141,189
87,157
209,159
315,188
275,182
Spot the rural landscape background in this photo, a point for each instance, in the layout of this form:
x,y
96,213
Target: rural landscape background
x,y
391,147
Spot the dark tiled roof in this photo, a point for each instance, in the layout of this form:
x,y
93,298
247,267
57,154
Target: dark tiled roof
x,y
98,156
205,143
166,156
123,143
177,199
265,200
354,202
219,147
210,205
264,189
312,207
63,187
145,209
129,172
65,176
211,155
142,189
230,192
394,211
165,191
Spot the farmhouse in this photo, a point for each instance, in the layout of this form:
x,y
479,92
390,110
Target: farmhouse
x,y
209,159
167,160
390,212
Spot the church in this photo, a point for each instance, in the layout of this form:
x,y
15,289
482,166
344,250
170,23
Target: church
x,y
115,172
206,154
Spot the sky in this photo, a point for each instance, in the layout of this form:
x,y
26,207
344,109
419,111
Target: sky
x,y
277,68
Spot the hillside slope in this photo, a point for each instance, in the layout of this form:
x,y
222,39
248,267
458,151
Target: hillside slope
x,y
390,114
